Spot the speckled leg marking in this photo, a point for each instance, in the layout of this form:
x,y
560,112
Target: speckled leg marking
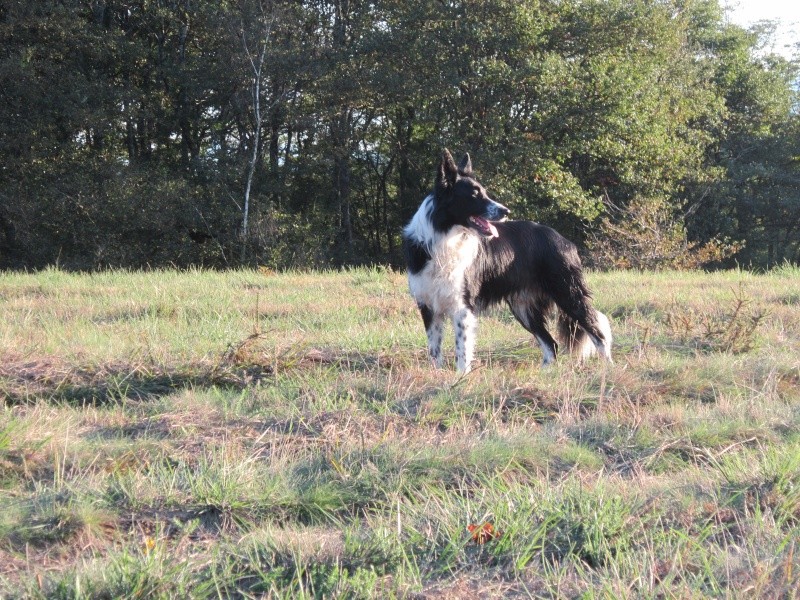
x,y
434,326
465,324
435,342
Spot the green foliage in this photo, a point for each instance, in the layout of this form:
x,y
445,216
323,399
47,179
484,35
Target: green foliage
x,y
131,131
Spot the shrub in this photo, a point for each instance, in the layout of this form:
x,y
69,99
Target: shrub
x,y
647,235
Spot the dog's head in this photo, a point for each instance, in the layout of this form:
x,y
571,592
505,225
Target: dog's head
x,y
460,200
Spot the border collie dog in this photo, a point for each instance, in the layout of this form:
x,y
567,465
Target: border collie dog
x,y
464,256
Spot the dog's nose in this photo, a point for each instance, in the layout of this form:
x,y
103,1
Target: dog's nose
x,y
500,211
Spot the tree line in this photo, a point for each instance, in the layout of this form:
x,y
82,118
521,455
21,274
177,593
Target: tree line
x,y
297,133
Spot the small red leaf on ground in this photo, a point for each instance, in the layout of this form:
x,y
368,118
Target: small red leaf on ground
x,y
483,533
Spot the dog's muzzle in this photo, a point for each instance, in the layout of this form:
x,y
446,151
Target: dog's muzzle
x,y
497,212
483,224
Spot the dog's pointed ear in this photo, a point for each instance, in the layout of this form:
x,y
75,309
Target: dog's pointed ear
x,y
465,166
447,173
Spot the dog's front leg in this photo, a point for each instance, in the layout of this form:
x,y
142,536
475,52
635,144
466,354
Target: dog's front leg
x,y
465,323
433,328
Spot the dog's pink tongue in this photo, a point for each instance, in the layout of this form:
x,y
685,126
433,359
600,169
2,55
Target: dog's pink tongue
x,y
485,227
490,229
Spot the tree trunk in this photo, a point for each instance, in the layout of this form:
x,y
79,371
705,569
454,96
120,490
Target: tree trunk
x,y
342,186
341,136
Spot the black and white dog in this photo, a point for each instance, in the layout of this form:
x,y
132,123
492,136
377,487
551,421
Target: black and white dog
x,y
464,256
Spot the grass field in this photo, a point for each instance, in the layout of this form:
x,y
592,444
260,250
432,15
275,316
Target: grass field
x,y
251,434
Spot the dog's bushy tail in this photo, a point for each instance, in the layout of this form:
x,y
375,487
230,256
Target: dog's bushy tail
x,y
578,342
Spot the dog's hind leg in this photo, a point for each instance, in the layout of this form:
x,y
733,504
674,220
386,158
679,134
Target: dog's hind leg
x,y
531,316
434,327
465,324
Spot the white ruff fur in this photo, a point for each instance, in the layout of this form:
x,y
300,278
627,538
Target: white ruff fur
x,y
440,285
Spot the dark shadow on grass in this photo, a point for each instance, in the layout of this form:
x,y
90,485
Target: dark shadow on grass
x,y
197,521
140,387
26,380
52,382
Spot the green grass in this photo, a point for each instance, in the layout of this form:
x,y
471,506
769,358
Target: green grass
x,y
249,434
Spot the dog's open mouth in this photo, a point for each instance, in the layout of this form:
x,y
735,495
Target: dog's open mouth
x,y
483,226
